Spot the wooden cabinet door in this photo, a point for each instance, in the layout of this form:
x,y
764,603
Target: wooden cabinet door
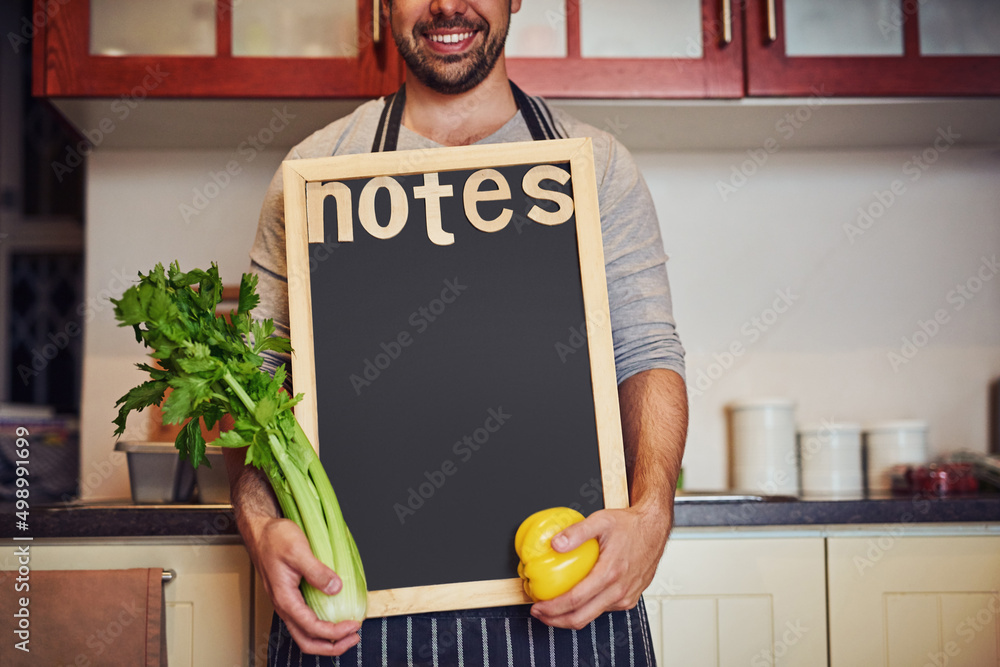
x,y
872,48
899,601
740,602
628,48
73,57
207,602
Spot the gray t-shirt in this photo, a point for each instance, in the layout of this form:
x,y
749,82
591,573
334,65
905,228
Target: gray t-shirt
x,y
642,324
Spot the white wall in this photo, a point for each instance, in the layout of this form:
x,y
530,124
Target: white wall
x,y
134,220
857,293
782,230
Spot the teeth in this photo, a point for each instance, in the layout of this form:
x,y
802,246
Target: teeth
x,y
450,39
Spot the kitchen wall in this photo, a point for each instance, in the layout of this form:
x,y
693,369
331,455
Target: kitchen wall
x,y
781,286
135,218
896,318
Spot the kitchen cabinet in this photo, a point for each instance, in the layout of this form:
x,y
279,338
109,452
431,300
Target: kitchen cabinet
x,y
556,48
263,615
628,49
648,48
212,49
207,602
872,48
257,48
898,600
741,601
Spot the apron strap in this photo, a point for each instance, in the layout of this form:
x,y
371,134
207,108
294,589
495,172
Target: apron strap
x,y
387,135
389,121
533,116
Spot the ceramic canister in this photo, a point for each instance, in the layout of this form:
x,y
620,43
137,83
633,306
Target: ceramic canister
x,y
830,460
893,443
763,446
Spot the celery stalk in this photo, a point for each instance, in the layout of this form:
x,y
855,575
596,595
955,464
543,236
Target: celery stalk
x,y
213,366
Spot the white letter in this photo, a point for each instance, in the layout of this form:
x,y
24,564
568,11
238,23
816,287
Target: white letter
x,y
316,194
400,208
432,192
473,195
532,188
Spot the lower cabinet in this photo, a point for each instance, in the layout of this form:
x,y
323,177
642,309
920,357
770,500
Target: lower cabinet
x,y
263,616
879,598
752,602
207,601
902,601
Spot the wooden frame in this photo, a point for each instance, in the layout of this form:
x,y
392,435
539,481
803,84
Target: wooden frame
x,y
578,153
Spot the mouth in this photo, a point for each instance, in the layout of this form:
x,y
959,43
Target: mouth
x,y
450,41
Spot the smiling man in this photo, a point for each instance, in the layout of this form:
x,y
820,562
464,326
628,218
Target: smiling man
x,y
457,93
449,55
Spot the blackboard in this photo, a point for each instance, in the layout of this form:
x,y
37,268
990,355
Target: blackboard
x,y
449,317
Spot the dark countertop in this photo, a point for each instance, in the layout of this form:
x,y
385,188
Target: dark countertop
x,y
983,508
213,521
121,520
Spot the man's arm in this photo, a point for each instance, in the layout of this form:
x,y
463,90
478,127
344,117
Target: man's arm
x,y
654,425
280,552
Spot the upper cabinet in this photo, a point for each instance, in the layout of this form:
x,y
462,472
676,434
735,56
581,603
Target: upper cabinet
x,y
756,48
557,48
214,48
872,47
628,48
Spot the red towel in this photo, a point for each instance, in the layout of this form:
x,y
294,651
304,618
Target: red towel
x,y
112,618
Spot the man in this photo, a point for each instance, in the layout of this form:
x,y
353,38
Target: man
x,y
457,93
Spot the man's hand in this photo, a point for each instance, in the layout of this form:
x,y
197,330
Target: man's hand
x,y
631,543
654,428
280,552
282,555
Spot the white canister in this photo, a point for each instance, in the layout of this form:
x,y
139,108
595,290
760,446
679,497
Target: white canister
x,y
892,443
763,451
830,460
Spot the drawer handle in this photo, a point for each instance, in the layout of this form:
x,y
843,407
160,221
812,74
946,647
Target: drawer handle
x,y
727,22
772,22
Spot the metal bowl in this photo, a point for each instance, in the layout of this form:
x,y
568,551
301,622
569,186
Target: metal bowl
x,y
156,472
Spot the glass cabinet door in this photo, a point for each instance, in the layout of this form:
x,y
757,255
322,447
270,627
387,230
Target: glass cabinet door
x,y
538,30
627,48
960,28
875,27
303,28
873,47
137,27
216,48
641,29
263,28
854,28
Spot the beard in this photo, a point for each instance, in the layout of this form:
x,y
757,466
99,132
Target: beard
x,y
454,73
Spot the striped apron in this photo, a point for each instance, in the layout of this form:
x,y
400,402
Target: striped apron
x,y
494,636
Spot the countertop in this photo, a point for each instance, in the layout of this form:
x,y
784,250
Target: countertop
x,y
214,521
981,508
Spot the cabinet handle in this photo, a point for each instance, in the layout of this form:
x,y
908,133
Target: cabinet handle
x,y
376,21
727,22
772,22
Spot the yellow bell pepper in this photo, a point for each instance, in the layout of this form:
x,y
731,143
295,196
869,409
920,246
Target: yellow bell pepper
x,y
546,572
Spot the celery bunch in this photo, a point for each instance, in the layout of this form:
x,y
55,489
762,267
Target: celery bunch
x,y
213,367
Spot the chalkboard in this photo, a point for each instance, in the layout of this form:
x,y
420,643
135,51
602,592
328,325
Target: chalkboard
x,y
450,326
